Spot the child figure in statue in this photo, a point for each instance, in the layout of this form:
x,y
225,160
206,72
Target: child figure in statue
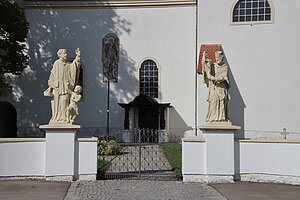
x,y
72,110
62,80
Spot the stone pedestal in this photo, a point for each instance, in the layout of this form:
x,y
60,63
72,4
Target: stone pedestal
x,y
60,151
216,156
219,151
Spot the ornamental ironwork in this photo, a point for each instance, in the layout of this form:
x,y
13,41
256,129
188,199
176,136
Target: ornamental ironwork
x,y
110,57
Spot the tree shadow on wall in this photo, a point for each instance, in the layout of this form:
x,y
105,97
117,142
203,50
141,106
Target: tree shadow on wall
x,y
51,30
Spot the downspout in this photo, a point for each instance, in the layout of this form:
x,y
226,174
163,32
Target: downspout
x,y
196,75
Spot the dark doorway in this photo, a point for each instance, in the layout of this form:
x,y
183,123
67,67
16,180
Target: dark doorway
x,y
151,117
148,117
148,121
8,120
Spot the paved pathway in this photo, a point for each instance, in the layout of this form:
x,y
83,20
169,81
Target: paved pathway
x,y
32,190
140,190
134,189
258,191
154,164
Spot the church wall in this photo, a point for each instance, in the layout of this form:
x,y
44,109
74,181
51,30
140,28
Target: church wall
x,y
165,34
263,72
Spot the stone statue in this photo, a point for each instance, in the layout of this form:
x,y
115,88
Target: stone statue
x,y
73,107
62,81
216,79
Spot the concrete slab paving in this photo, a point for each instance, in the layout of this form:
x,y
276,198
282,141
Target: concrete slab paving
x,y
32,190
258,191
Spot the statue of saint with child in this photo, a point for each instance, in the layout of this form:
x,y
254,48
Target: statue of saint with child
x,y
63,88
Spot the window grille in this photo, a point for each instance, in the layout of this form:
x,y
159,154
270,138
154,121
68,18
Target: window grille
x,y
251,11
149,78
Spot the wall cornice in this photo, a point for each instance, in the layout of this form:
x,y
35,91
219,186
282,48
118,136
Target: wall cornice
x,y
108,4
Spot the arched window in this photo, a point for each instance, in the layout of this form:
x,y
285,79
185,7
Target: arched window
x,y
252,11
148,75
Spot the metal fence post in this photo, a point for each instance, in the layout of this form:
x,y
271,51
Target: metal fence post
x,y
140,154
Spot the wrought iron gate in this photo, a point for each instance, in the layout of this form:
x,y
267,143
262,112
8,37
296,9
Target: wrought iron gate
x,y
145,156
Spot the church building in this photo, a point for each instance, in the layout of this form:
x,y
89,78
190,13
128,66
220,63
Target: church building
x,y
159,84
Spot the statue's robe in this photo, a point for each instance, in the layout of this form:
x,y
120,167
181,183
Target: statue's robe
x,y
218,95
62,80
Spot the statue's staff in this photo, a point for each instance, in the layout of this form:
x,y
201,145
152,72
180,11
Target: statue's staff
x,y
206,68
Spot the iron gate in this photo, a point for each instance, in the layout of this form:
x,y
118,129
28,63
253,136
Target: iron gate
x,y
145,155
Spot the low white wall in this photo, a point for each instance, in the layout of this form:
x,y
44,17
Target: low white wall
x,y
269,161
22,157
26,157
193,156
86,157
210,160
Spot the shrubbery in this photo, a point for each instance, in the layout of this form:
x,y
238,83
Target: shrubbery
x,y
110,147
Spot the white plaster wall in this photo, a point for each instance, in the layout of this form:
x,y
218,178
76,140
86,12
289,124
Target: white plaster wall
x,y
262,60
219,153
270,158
22,158
28,159
87,158
193,158
60,153
165,34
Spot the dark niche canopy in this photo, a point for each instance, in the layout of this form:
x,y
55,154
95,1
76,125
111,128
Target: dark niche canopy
x,y
151,113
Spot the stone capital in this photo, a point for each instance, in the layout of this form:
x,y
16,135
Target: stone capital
x,y
65,127
219,127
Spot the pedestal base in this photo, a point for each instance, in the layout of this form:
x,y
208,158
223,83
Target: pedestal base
x,y
87,177
214,158
60,151
60,178
208,178
270,178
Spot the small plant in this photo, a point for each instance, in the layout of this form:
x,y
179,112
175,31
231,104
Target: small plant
x,y
102,167
110,147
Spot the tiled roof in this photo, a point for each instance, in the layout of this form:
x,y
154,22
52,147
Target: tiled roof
x,y
210,50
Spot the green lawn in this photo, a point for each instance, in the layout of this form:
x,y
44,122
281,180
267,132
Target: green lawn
x,y
173,154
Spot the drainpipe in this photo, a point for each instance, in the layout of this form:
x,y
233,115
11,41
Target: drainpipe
x,y
196,75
